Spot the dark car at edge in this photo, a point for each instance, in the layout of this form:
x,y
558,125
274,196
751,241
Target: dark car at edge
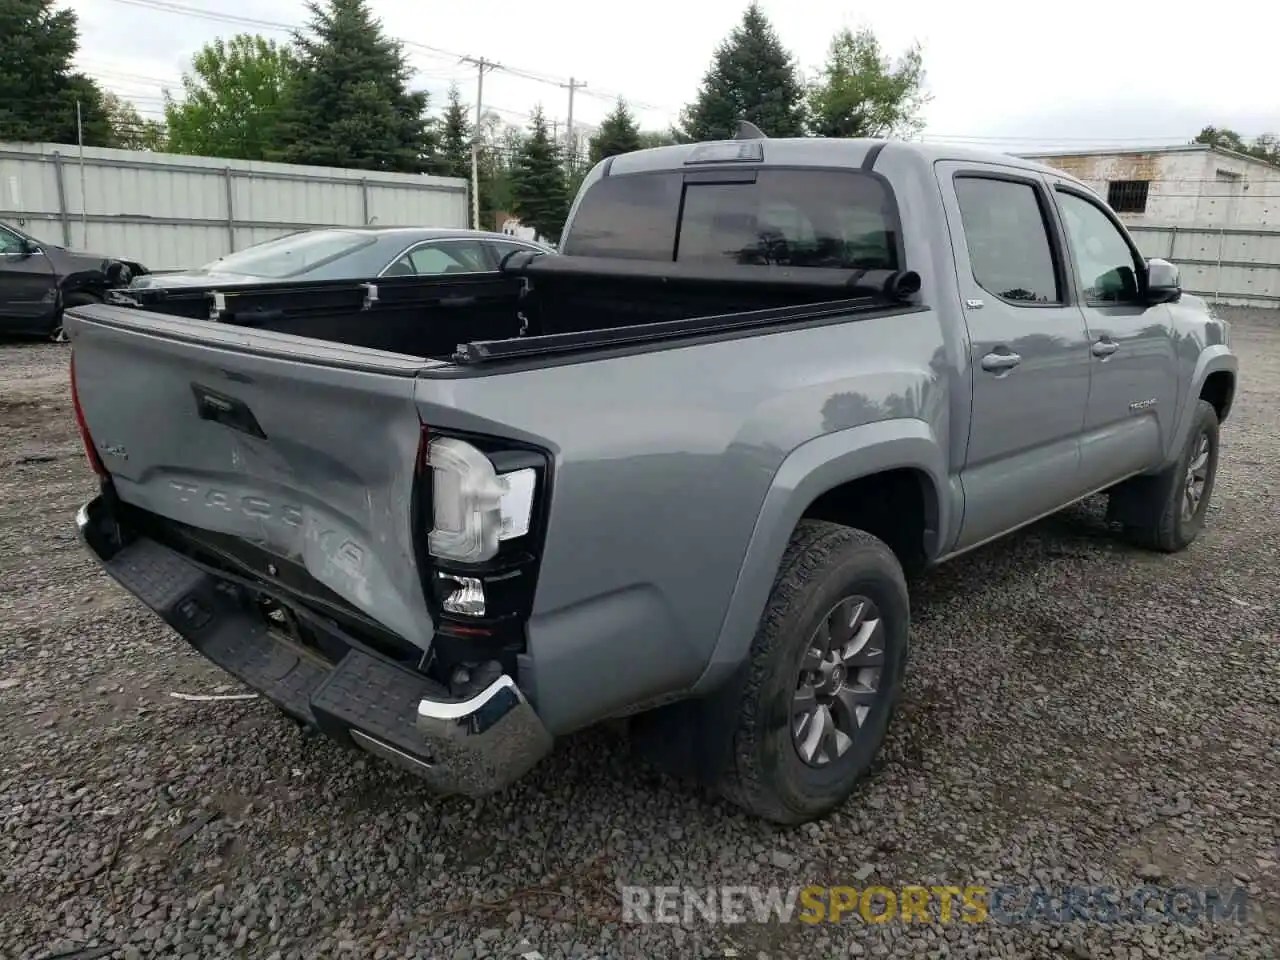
x,y
38,280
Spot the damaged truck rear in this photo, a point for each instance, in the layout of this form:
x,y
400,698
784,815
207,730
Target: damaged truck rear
x,y
679,473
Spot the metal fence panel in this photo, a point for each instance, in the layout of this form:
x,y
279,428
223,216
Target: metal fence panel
x,y
1232,265
169,211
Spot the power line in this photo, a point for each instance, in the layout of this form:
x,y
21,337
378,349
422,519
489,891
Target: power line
x,y
166,6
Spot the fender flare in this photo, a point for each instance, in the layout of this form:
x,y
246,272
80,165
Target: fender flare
x,y
1217,358
808,471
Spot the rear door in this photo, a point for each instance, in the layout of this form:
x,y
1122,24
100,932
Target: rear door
x,y
28,287
304,449
1134,384
1029,356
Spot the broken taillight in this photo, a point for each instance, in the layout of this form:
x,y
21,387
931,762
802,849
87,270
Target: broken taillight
x,y
90,450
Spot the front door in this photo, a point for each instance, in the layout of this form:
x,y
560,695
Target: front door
x,y
1029,355
1134,385
27,287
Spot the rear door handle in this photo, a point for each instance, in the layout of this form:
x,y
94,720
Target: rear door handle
x,y
1104,348
996,362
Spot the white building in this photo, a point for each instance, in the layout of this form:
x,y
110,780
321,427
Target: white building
x,y
1192,184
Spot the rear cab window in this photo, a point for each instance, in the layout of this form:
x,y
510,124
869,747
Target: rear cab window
x,y
842,219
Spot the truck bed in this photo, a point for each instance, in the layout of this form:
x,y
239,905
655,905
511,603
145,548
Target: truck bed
x,y
536,304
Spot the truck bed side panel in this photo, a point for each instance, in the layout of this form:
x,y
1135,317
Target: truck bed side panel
x,y
662,462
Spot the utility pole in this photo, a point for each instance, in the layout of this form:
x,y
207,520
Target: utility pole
x,y
572,86
84,200
483,66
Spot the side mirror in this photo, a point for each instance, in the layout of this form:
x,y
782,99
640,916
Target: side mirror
x,y
1164,285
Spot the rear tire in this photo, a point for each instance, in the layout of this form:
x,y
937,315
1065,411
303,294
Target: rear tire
x,y
57,334
809,727
1175,500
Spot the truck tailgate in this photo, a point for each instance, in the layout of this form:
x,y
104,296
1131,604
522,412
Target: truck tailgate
x,y
302,448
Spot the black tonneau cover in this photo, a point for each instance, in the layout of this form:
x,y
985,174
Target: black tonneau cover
x,y
536,304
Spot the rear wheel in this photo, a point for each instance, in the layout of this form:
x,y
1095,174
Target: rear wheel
x,y
58,334
824,676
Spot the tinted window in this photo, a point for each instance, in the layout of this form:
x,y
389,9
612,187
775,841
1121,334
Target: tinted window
x,y
1103,257
797,218
290,255
429,260
1007,240
631,217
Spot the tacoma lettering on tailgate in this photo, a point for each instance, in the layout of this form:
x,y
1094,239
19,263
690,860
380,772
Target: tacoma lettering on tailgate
x,y
258,508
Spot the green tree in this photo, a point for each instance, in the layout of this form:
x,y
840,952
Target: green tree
x,y
860,92
128,129
499,145
38,88
752,77
618,133
351,105
455,138
538,194
658,138
1264,147
233,99
94,121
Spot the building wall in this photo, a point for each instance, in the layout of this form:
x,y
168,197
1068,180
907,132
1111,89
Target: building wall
x,y
1187,187
170,211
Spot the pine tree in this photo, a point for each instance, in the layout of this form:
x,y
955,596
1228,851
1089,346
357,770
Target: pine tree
x,y
538,194
455,138
752,77
38,90
351,105
618,133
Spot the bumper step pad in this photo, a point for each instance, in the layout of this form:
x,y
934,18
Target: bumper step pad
x,y
472,746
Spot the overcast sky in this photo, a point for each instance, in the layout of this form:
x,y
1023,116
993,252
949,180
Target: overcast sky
x,y
1013,77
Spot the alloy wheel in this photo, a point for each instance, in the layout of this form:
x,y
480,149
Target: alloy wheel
x,y
839,681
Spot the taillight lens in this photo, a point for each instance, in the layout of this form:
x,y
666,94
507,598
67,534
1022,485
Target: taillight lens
x,y
90,451
474,508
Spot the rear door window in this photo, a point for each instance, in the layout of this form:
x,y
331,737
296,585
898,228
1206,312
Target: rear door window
x,y
1007,237
434,258
794,218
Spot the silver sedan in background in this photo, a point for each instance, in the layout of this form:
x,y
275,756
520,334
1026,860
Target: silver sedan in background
x,y
340,253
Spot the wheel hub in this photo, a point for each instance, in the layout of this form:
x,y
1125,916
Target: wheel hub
x,y
838,682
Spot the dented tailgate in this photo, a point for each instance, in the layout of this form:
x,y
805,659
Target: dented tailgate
x,y
303,448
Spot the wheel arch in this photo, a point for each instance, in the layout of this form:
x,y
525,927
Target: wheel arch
x,y
833,477
1214,380
821,479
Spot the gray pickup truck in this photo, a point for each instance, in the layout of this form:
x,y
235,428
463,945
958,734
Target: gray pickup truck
x,y
680,473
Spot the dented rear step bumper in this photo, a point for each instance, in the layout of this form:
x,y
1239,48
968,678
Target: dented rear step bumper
x,y
471,746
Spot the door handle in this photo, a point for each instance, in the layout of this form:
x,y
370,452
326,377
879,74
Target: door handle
x,y
1104,348
456,301
995,362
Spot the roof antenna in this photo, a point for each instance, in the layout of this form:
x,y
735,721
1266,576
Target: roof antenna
x,y
749,131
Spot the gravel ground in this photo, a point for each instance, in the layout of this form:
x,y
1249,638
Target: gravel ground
x,y
1076,713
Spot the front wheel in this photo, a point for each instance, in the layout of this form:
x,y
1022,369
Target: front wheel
x,y
825,671
1172,515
